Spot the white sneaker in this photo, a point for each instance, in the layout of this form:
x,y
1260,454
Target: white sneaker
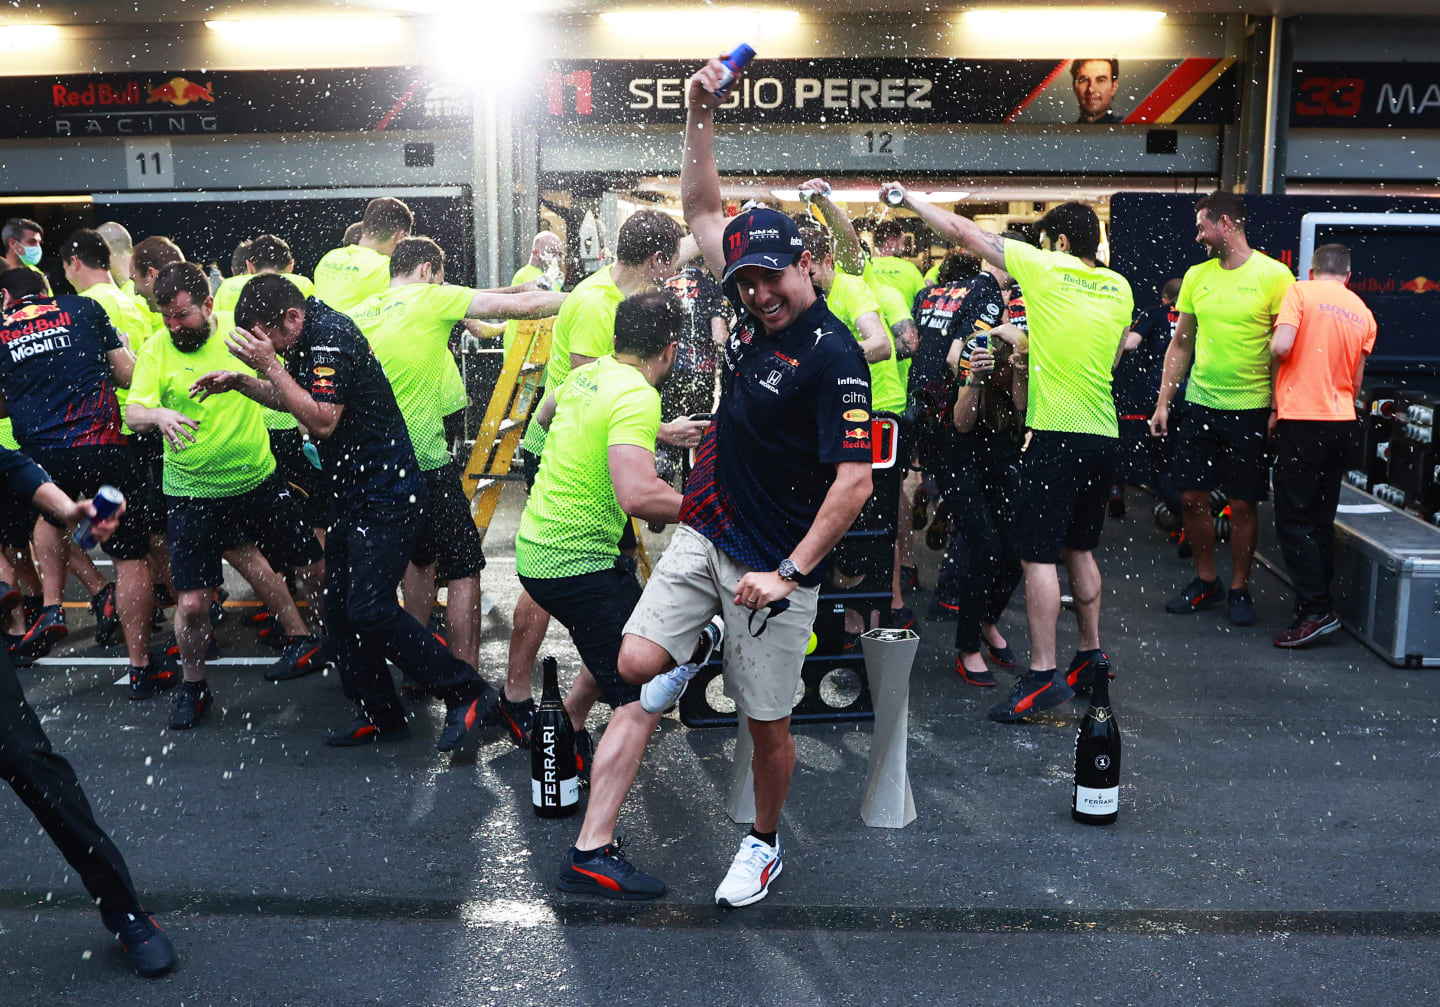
x,y
751,872
664,691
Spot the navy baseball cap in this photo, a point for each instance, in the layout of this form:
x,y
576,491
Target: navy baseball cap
x,y
760,237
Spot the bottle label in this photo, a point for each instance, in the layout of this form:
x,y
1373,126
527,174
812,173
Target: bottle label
x,y
1097,802
569,793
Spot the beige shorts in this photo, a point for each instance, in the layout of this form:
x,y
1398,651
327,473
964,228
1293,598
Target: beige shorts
x,y
693,582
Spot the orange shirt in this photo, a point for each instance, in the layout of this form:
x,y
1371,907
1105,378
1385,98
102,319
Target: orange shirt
x,y
1334,329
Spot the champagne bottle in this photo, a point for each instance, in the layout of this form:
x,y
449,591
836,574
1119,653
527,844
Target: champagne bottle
x,y
1096,798
554,788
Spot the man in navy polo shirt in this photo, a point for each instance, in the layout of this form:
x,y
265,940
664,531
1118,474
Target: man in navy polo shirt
x,y
332,384
778,480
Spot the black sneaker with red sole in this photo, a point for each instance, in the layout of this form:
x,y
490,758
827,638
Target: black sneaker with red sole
x,y
301,656
610,873
515,718
1080,676
1030,696
584,755
462,721
1198,594
157,677
47,630
365,731
9,598
102,606
191,705
145,945
985,679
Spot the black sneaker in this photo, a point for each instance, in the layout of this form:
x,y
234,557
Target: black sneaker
x,y
272,634
584,755
43,634
106,621
608,873
1031,695
942,611
142,940
168,651
365,731
1198,594
1182,547
1240,607
461,721
515,718
985,679
193,704
303,655
1080,676
12,646
145,682
33,604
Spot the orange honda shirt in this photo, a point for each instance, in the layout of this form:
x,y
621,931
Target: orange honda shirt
x,y
1334,329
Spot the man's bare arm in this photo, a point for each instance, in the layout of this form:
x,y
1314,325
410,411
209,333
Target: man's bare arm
x,y
960,230
699,179
528,304
842,505
876,344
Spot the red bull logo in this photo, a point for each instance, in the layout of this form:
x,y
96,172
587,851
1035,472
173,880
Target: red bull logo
x,y
26,312
180,92
857,434
1420,285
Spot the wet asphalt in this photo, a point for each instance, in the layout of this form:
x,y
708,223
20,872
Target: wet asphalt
x,y
1275,842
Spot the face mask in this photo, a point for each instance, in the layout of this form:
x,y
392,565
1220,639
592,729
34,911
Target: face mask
x,y
30,254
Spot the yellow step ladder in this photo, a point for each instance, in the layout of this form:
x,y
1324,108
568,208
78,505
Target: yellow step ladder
x,y
511,403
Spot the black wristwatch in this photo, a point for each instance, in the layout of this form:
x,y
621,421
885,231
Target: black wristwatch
x,y
788,570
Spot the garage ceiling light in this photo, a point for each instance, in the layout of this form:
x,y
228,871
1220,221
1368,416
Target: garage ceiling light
x,y
24,36
1062,22
720,24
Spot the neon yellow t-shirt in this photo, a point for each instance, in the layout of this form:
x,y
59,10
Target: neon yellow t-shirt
x,y
231,452
1077,314
572,520
849,298
932,275
229,293
7,434
585,325
349,274
898,274
408,328
1235,312
524,274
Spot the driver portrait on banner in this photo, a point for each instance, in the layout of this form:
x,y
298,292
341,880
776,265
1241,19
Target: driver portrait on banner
x,y
1095,82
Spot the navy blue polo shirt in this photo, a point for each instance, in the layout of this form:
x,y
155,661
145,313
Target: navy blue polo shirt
x,y
54,373
797,402
368,456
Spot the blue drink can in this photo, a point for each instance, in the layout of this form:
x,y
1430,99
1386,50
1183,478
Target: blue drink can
x,y
738,60
107,501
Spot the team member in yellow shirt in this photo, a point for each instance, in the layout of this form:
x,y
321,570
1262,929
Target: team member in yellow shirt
x,y
267,253
546,252
347,275
408,327
1228,305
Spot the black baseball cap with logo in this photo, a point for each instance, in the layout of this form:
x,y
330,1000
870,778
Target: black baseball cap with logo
x,y
759,237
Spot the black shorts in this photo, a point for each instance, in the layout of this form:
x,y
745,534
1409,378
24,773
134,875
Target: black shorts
x,y
308,483
449,538
80,472
1064,488
1224,449
201,528
594,607
149,449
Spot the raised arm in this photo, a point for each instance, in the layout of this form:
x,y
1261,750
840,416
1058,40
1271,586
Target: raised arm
x,y
960,230
849,255
699,178
876,344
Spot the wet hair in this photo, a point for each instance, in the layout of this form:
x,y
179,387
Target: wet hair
x,y
265,299
385,217
269,252
88,246
644,233
15,228
1021,234
353,233
816,237
1171,290
957,267
23,282
238,259
647,323
1075,66
411,253
1331,260
1223,204
182,277
1077,222
887,231
155,252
